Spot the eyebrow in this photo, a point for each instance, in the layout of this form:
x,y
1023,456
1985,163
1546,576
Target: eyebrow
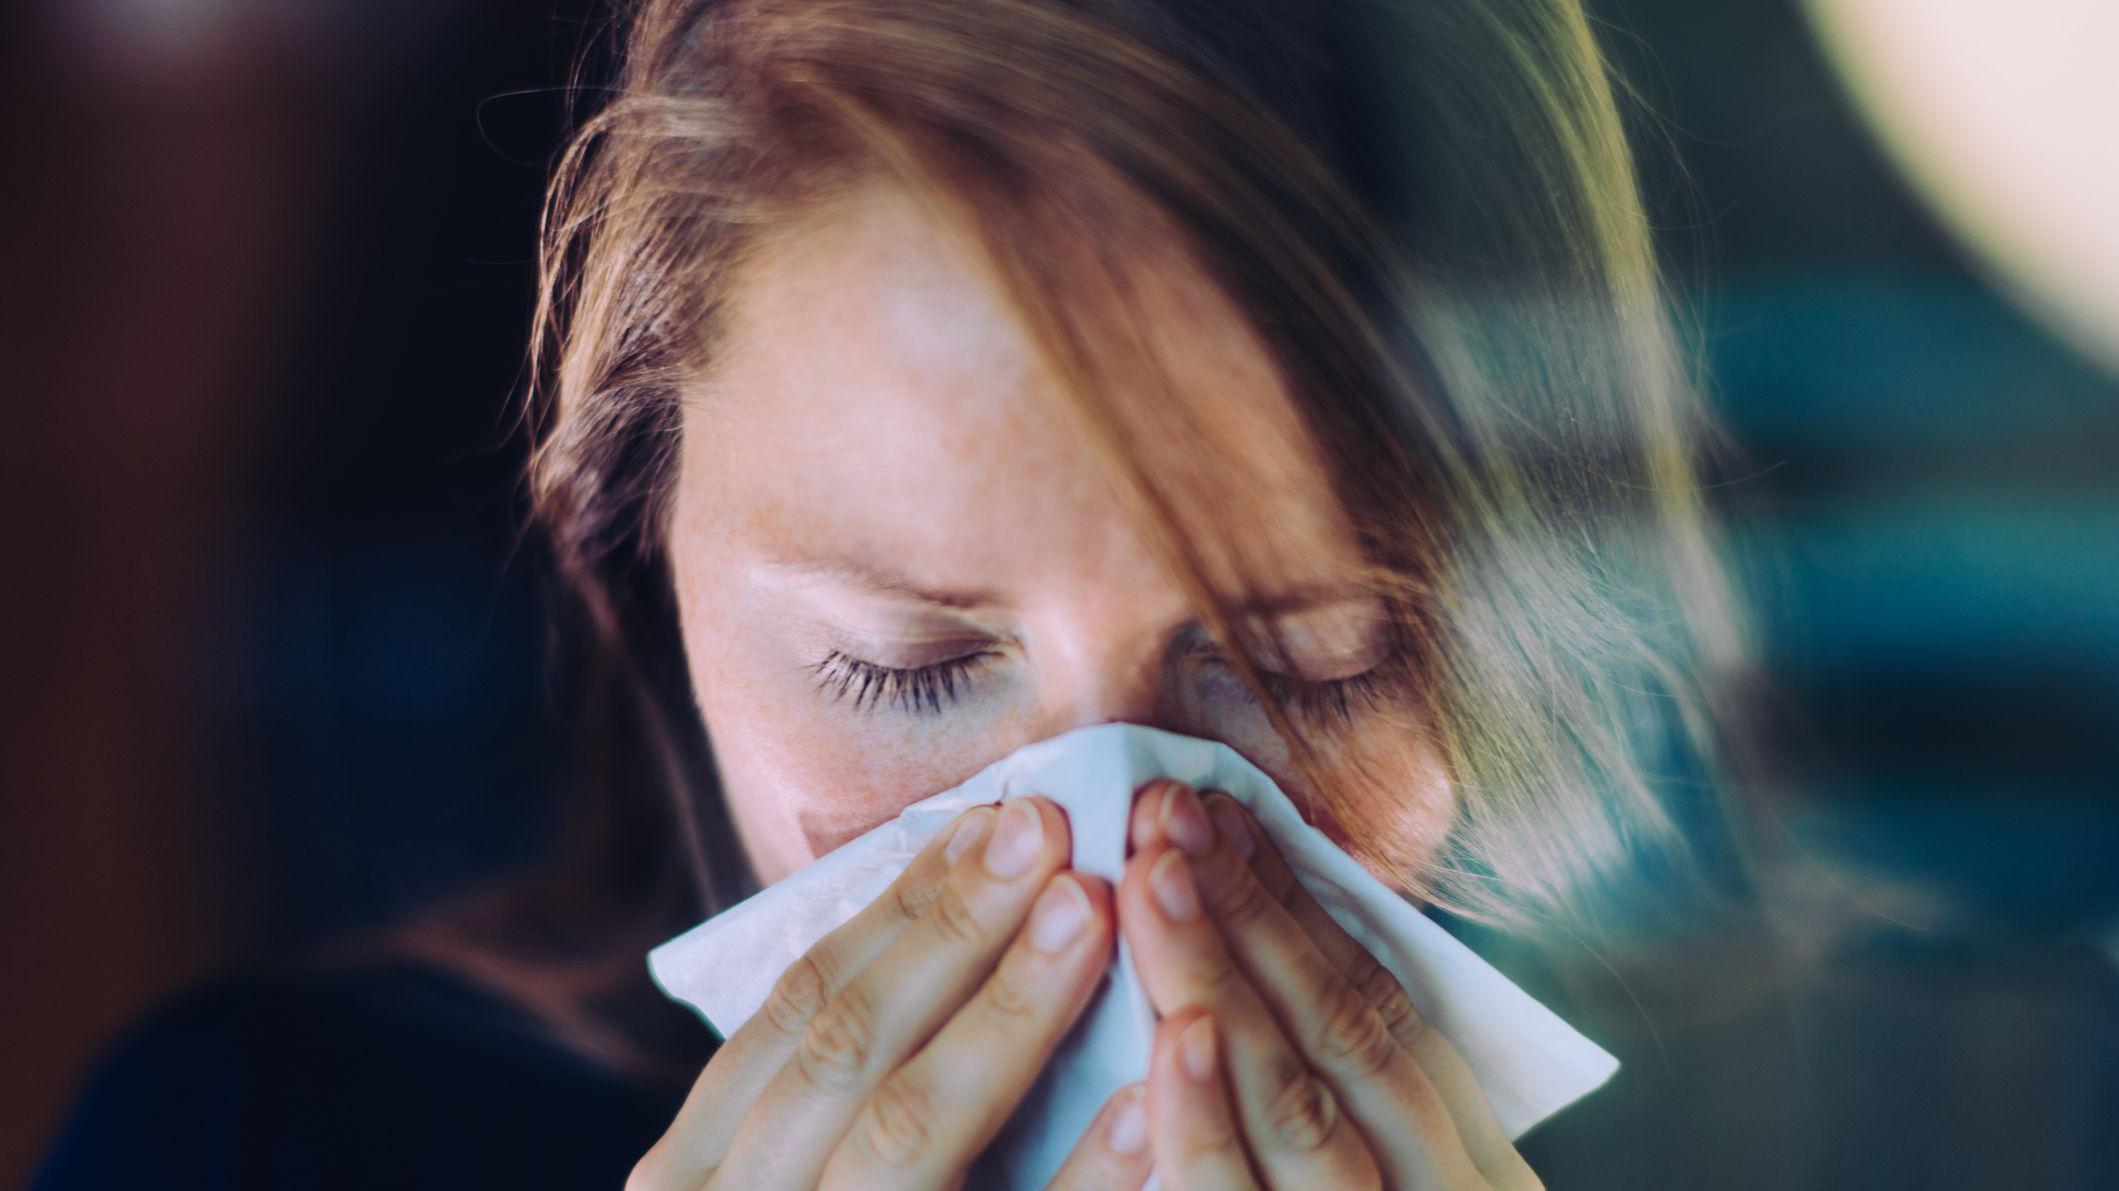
x,y
884,581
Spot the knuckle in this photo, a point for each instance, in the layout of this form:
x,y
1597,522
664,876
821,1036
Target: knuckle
x,y
1381,989
954,919
1408,1028
1011,995
840,1042
894,1125
1212,1134
909,900
1243,903
1351,1034
798,995
1368,977
1302,1113
1214,973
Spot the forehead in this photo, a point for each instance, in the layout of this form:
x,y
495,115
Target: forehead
x,y
874,383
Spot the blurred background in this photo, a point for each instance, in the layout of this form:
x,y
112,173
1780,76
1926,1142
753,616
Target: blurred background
x,y
276,659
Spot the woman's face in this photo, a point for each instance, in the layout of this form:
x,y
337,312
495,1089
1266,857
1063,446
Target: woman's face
x,y
896,560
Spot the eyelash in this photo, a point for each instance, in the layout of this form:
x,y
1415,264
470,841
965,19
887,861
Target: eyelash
x,y
925,690
1340,699
918,690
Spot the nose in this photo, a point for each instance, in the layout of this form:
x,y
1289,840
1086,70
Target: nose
x,y
1094,680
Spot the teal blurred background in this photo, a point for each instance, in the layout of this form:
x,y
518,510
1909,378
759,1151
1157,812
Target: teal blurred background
x,y
1926,515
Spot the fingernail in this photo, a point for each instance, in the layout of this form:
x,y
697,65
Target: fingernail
x,y
1146,820
969,831
1185,821
1058,916
1229,825
1017,837
1196,1047
1172,883
1129,1126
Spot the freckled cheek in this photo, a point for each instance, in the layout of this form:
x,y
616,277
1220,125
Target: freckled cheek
x,y
1388,776
804,776
799,775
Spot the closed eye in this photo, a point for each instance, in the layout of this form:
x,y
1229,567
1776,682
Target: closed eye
x,y
1339,700
928,690
920,690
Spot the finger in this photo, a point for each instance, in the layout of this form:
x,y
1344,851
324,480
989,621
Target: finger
x,y
706,1123
1445,1068
890,1008
1411,1131
1291,1120
1150,821
1197,1143
929,1118
1113,1151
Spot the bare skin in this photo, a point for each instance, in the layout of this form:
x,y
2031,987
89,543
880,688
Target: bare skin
x,y
878,473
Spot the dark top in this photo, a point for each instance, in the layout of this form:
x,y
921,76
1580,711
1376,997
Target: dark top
x,y
408,1077
400,1076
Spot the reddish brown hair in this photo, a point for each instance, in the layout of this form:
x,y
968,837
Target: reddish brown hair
x,y
1425,211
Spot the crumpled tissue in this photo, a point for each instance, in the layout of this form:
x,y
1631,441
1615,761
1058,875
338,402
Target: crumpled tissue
x,y
1529,1063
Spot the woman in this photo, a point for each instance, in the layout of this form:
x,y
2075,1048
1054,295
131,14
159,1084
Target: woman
x,y
922,378
978,370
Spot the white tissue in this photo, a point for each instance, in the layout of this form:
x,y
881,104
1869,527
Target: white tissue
x,y
1529,1062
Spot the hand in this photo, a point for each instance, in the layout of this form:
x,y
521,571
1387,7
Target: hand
x,y
1286,1056
891,1053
